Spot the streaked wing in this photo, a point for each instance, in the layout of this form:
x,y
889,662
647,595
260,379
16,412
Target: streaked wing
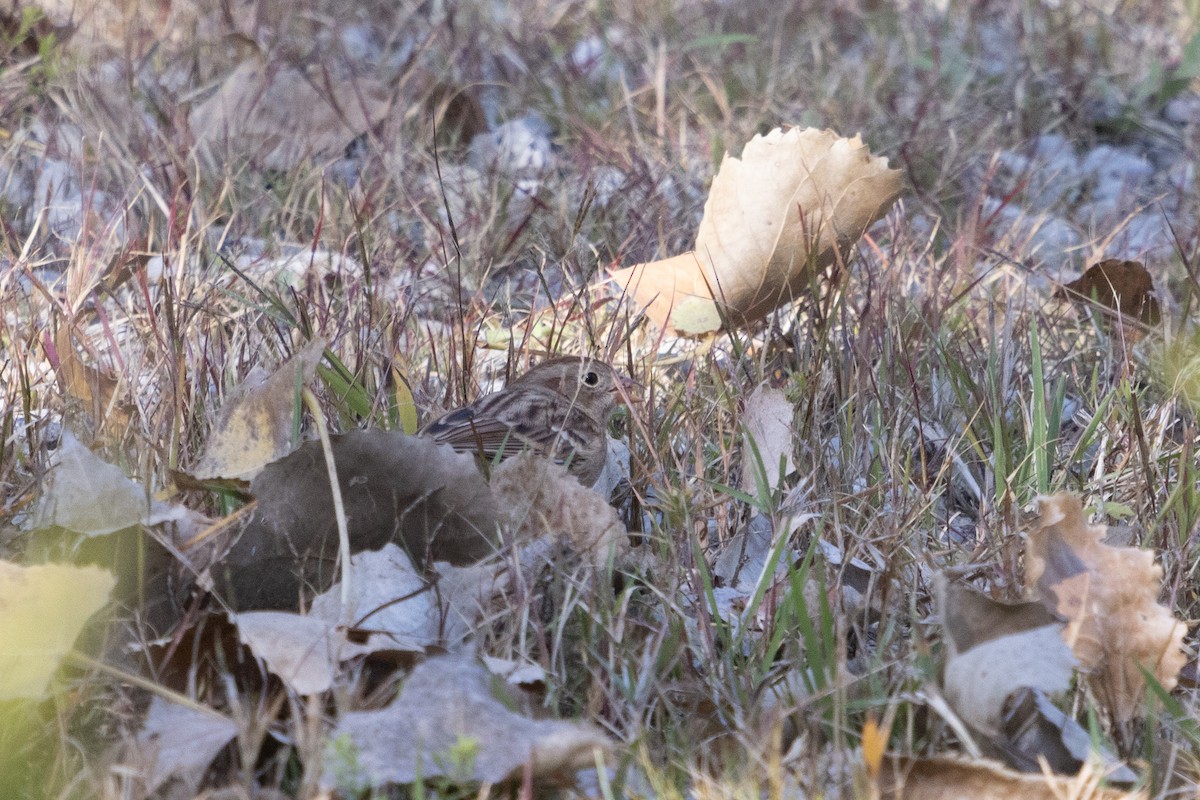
x,y
503,424
506,423
468,433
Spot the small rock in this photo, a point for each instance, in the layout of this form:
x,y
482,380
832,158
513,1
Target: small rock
x,y
1183,110
519,147
1115,171
1146,237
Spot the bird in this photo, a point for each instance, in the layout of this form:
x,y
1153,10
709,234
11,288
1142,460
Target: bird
x,y
559,408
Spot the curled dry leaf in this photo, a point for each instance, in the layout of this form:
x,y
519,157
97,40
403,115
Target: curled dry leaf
x,y
280,116
467,595
954,779
766,438
421,495
86,494
793,204
1108,595
1004,660
392,609
996,649
391,606
1037,731
545,502
1122,288
445,703
302,651
42,610
255,425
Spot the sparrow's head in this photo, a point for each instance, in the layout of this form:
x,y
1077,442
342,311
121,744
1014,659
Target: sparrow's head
x,y
592,385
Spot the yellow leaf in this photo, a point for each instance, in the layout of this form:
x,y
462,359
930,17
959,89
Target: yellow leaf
x,y
874,743
406,407
255,425
42,610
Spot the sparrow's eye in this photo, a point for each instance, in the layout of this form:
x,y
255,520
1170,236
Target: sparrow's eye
x,y
591,378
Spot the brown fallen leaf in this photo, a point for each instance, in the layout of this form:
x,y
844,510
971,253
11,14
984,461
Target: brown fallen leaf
x,y
446,704
95,390
1108,595
421,495
793,204
1121,288
255,424
944,778
1005,661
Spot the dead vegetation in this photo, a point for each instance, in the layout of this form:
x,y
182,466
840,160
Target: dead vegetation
x,y
245,249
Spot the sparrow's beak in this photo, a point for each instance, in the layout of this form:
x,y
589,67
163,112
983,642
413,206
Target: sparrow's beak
x,y
627,389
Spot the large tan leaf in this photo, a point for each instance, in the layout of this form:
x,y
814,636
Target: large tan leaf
x,y
1108,595
786,209
42,610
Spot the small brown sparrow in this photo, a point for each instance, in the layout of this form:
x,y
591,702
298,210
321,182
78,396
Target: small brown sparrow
x,y
560,408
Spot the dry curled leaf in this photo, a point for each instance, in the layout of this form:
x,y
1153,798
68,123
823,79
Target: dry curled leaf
x,y
1005,660
1108,595
544,501
766,438
1123,288
301,650
793,204
392,606
255,424
421,495
996,649
445,705
956,778
87,495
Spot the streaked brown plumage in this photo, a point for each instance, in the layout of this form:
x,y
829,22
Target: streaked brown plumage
x,y
560,408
